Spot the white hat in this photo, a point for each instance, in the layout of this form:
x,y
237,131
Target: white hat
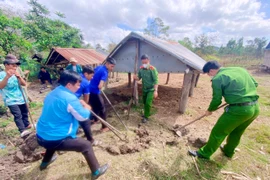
x,y
72,60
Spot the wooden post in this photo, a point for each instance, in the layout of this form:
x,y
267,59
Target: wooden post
x,y
185,91
168,78
129,79
197,79
136,95
193,82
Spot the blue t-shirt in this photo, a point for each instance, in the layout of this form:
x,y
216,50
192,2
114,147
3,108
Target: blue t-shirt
x,y
11,93
84,87
60,115
101,73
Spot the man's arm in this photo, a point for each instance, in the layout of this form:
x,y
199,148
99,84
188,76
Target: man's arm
x,y
137,77
79,110
4,82
217,95
155,78
20,79
103,79
86,98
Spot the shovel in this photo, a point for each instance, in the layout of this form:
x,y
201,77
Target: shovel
x,y
178,132
114,109
113,129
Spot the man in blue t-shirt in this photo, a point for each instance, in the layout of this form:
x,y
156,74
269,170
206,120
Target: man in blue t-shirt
x,y
10,82
96,85
84,91
58,124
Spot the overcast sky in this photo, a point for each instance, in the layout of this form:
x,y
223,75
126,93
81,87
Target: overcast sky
x,y
105,21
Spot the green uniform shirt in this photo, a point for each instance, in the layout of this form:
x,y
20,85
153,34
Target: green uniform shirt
x,y
149,78
235,84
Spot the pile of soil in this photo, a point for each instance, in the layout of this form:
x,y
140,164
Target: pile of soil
x,y
197,142
28,151
16,161
141,142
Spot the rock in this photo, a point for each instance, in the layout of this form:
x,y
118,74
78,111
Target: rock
x,y
19,157
113,150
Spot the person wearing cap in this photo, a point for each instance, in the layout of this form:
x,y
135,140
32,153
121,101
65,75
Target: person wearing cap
x,y
149,76
238,88
10,82
73,66
97,83
58,124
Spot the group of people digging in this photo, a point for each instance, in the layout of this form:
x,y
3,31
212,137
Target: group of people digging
x,y
63,111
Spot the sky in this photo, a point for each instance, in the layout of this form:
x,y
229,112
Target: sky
x,y
109,21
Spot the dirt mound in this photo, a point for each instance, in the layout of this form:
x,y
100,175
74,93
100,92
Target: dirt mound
x,y
142,141
29,150
197,142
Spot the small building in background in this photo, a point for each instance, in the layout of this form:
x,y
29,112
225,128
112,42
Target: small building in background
x,y
59,57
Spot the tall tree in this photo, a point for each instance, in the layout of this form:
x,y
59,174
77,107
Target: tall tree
x,y
46,33
203,44
10,35
157,28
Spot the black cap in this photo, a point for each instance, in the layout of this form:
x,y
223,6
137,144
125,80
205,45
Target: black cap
x,y
111,61
210,65
145,56
11,59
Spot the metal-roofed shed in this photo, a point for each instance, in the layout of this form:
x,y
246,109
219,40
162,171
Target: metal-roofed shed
x,y
166,56
61,56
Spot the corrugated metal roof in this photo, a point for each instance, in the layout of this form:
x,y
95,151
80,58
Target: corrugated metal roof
x,y
83,56
175,49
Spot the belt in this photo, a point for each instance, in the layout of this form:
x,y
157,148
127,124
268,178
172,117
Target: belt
x,y
245,103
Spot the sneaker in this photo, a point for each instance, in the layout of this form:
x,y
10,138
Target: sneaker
x,y
144,120
25,133
195,154
44,165
101,171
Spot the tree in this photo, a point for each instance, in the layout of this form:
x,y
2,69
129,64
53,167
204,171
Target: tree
x,y
187,43
259,44
100,48
156,28
204,44
111,46
10,35
46,33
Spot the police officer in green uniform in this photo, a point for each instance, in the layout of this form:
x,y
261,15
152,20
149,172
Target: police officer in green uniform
x,y
238,88
149,76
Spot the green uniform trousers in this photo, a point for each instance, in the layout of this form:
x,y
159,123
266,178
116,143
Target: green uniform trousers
x,y
232,123
147,101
